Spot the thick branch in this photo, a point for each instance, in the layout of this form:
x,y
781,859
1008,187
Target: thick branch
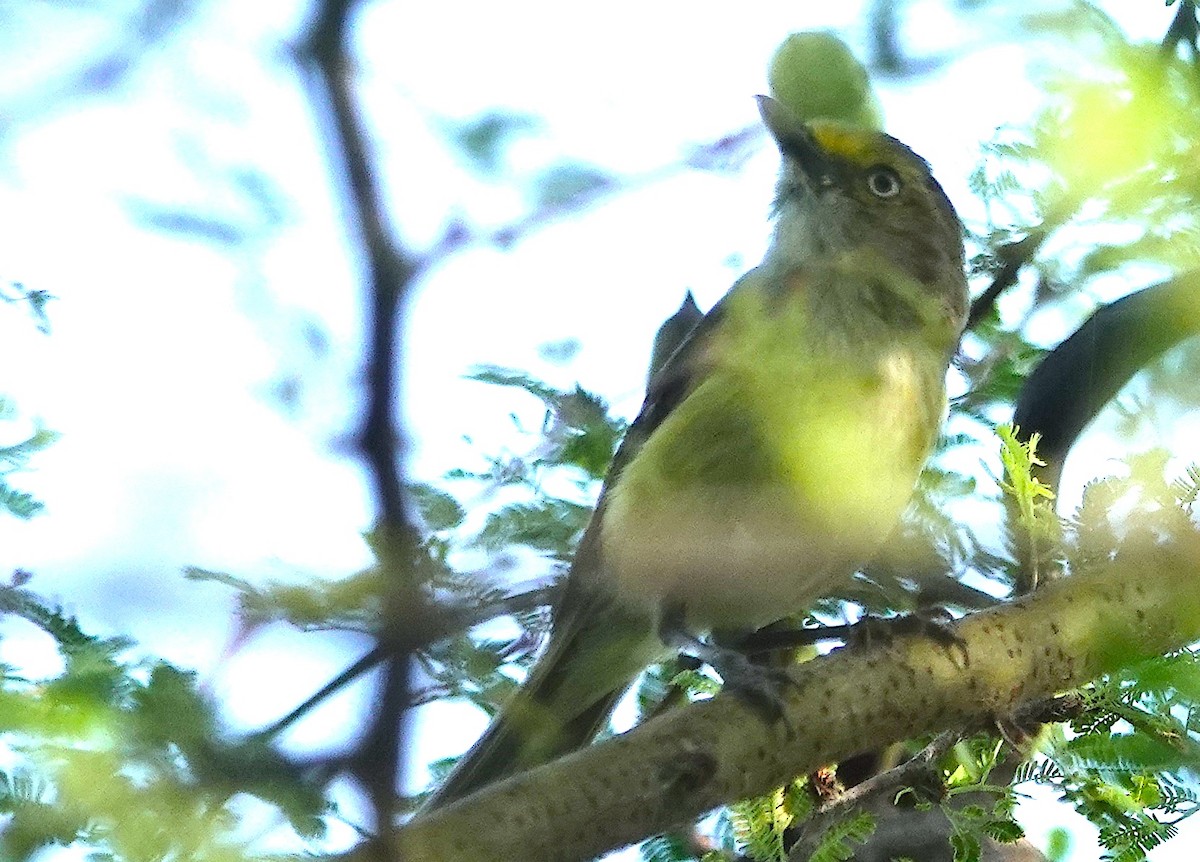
x,y
1082,374
676,767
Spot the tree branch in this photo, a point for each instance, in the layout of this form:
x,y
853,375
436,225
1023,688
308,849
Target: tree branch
x,y
440,623
1012,257
1184,28
904,830
1082,374
391,272
876,790
684,763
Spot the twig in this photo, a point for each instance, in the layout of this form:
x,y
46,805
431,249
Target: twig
x,y
1183,28
913,772
1012,257
442,623
722,155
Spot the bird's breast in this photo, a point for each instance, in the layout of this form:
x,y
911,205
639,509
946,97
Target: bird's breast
x,y
779,474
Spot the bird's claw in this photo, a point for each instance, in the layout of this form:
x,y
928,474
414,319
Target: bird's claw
x,y
936,626
761,687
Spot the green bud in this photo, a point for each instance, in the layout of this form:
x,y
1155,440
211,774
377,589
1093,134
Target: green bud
x,y
816,76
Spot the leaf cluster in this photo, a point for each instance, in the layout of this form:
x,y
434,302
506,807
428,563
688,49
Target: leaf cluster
x,y
126,757
1128,761
14,456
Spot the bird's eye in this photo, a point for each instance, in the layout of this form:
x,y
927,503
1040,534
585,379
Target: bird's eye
x,y
883,182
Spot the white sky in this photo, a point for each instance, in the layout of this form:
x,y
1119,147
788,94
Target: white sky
x,y
162,349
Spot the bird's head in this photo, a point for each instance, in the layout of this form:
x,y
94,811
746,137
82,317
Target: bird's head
x,y
845,188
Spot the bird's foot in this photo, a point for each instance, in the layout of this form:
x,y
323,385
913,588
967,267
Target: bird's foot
x,y
775,638
935,624
760,686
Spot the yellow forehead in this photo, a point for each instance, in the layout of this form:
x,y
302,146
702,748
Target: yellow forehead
x,y
856,146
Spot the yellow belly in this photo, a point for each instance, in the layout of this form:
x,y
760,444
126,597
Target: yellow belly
x,y
768,487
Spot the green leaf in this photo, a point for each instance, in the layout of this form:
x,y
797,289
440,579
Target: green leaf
x,y
836,844
18,503
549,524
1058,844
499,376
563,184
485,139
965,846
438,509
1004,831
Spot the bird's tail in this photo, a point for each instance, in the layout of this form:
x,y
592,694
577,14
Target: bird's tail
x,y
592,657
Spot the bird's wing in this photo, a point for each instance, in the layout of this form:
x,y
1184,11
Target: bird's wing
x,y
667,388
598,645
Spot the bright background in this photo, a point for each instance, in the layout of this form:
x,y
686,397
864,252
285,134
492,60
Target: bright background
x,y
203,364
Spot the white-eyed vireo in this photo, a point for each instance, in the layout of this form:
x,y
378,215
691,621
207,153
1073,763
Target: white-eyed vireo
x,y
776,447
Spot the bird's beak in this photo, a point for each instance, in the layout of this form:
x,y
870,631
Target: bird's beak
x,y
795,140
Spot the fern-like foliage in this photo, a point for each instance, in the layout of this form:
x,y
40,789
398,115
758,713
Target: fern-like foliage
x,y
17,442
127,757
14,457
1038,531
840,839
1128,761
666,848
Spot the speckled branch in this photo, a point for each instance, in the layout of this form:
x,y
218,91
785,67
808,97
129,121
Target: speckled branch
x,y
677,767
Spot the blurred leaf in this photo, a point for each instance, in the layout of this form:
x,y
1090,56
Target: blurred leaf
x,y
19,503
559,352
485,140
565,183
1058,844
351,603
497,376
546,525
438,509
208,227
37,300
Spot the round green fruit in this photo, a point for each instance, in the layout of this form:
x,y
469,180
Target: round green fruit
x,y
816,76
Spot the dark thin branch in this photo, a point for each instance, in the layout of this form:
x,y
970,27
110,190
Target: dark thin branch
x,y
438,625
1063,707
391,268
361,666
1184,28
916,772
1012,257
391,272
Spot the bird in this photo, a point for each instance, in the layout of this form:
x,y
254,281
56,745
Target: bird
x,y
777,445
